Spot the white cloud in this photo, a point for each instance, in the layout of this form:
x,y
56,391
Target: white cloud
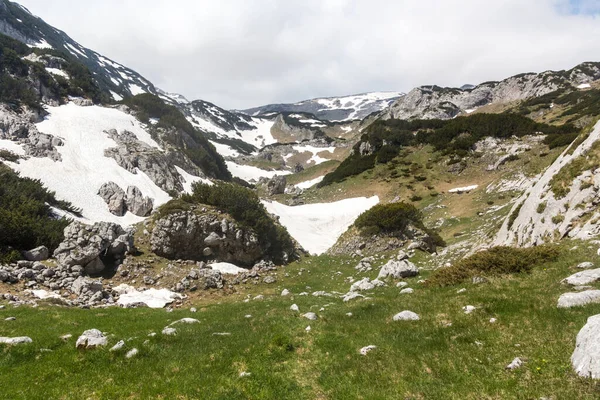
x,y
241,53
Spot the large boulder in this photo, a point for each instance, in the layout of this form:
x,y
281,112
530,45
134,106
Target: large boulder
x,y
586,357
398,270
114,197
276,185
94,247
137,203
576,299
40,253
583,278
191,234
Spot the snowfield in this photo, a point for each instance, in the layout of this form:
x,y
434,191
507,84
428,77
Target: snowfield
x,y
316,159
84,168
250,173
311,183
318,226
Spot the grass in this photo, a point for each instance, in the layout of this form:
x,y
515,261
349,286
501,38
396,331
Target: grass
x,y
422,360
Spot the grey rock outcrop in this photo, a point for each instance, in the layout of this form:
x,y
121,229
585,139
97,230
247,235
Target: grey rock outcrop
x,y
276,185
576,299
114,197
406,316
583,278
186,234
137,203
586,357
91,339
94,246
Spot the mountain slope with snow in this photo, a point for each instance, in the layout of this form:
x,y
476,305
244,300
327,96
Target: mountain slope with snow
x,y
346,108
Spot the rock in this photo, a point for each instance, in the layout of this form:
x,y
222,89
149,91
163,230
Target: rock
x,y
84,285
91,339
295,308
398,270
138,204
493,320
583,277
285,292
310,316
468,309
401,284
406,316
269,279
351,296
367,349
40,253
322,293
114,197
516,363
66,337
276,185
576,299
94,247
308,329
460,291
365,284
186,235
365,265
15,340
244,374
477,280
120,344
586,357
187,321
132,353
407,291
169,331
10,319
585,265
193,310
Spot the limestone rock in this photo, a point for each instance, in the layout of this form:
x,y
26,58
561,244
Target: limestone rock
x,y
576,299
91,339
398,270
40,253
137,203
406,316
114,197
586,357
583,278
276,185
516,363
15,340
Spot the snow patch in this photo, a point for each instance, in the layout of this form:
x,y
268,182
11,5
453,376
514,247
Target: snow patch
x,y
250,173
465,189
153,298
189,179
59,72
227,268
318,226
310,183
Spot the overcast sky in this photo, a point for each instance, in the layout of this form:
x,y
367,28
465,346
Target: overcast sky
x,y
244,53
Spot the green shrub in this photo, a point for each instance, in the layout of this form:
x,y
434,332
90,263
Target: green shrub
x,y
493,262
26,219
557,219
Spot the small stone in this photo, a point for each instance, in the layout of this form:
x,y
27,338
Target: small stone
x,y
15,340
468,309
463,290
367,349
247,316
193,310
349,314
132,353
493,320
244,374
310,316
169,331
308,329
401,284
407,291
516,363
66,337
295,308
585,265
285,292
477,280
185,321
120,344
406,316
269,279
91,339
10,319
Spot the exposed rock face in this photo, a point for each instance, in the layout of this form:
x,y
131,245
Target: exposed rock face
x,y
586,357
186,234
94,247
288,133
21,129
137,203
428,102
537,209
276,185
133,154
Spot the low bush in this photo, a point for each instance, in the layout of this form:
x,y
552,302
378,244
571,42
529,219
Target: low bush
x,y
493,262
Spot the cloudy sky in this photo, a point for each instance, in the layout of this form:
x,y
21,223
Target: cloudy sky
x,y
243,53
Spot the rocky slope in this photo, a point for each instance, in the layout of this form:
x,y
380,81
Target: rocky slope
x,y
428,102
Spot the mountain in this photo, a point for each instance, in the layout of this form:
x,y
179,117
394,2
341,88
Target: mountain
x,y
335,109
20,24
438,102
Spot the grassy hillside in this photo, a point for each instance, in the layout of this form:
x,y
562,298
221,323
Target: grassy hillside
x,y
447,354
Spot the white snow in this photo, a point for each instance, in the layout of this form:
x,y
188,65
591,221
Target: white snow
x,y
116,96
44,294
59,72
189,179
74,49
310,183
316,159
250,173
584,86
135,89
225,150
84,168
153,298
42,44
227,268
318,226
14,147
115,81
465,189
262,136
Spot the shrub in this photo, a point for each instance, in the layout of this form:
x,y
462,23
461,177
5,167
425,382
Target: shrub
x,y
26,218
557,219
493,262
541,207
